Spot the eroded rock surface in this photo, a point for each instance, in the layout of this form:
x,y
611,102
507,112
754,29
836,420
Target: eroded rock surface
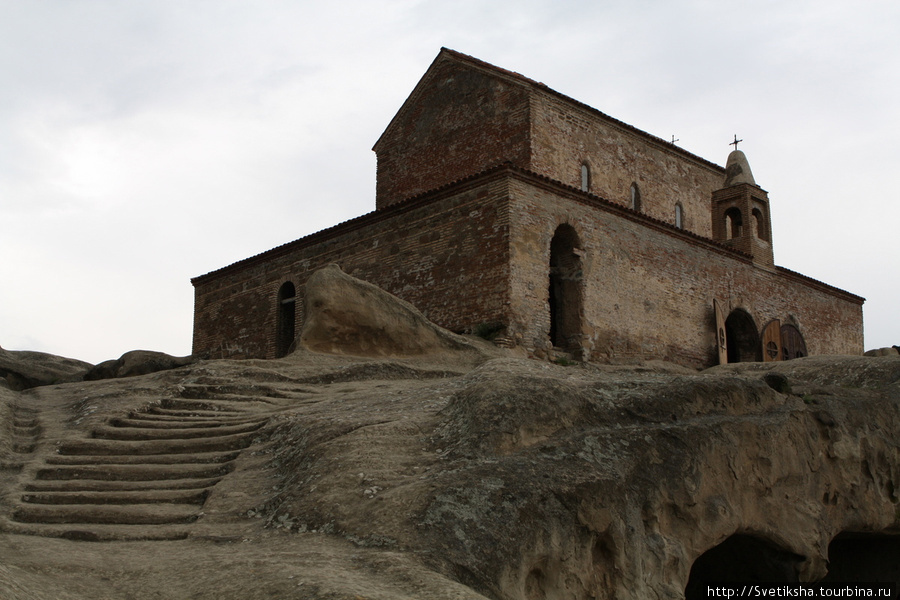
x,y
22,369
345,315
137,362
504,478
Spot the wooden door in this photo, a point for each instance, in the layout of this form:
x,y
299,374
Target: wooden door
x,y
771,341
721,341
792,343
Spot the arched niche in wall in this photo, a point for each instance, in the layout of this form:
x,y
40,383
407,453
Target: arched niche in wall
x,y
741,558
285,322
566,293
742,336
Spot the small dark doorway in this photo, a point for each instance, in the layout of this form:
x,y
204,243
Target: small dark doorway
x,y
792,344
284,328
742,337
862,558
741,558
565,289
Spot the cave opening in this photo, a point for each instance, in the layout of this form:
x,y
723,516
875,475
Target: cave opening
x,y
741,558
857,558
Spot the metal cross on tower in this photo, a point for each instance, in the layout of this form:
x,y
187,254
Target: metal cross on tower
x,y
735,142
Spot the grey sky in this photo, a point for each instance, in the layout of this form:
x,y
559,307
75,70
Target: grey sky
x,y
147,142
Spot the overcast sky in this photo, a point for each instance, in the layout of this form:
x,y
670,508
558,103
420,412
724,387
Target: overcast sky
x,y
145,142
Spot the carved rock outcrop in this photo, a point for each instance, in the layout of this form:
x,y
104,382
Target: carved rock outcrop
x,y
345,315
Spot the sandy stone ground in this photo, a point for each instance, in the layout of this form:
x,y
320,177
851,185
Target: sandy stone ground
x,y
467,475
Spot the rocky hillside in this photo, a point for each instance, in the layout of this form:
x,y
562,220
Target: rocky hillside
x,y
329,477
453,471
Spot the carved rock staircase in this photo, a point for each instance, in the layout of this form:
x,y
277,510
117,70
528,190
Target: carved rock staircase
x,y
141,477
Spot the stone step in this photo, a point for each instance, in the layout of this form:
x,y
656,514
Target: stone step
x,y
134,514
197,497
142,423
30,431
98,532
133,472
153,433
149,459
146,447
24,447
96,485
215,406
191,417
200,414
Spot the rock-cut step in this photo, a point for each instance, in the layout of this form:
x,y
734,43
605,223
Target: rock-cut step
x,y
153,496
133,472
138,477
119,432
94,446
109,514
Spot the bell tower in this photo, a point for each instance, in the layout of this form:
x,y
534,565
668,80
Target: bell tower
x,y
741,212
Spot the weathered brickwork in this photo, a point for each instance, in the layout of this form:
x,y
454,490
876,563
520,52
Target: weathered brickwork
x,y
567,135
466,116
482,217
458,121
447,254
649,288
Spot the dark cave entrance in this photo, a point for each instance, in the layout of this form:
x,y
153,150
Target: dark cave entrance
x,y
742,337
284,328
741,558
565,289
859,558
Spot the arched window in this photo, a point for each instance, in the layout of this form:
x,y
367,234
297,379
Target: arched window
x,y
284,327
679,216
734,223
635,197
585,177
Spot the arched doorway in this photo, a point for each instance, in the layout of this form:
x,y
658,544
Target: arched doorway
x,y
742,337
565,289
792,344
285,321
743,558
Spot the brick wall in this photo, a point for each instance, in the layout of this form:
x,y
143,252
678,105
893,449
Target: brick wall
x,y
566,135
446,253
459,120
649,289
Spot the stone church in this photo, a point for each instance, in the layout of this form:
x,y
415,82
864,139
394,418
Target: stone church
x,y
502,205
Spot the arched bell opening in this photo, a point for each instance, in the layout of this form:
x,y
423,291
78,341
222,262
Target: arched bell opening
x,y
565,294
741,558
734,223
286,319
742,337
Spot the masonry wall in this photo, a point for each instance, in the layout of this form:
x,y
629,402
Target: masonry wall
x,y
446,254
566,135
649,289
459,121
